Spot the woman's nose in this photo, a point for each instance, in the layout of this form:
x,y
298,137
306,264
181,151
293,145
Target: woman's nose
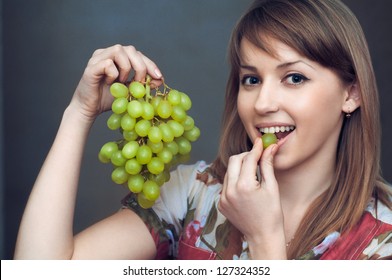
x,y
267,99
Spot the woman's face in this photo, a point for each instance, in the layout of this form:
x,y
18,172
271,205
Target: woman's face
x,y
296,98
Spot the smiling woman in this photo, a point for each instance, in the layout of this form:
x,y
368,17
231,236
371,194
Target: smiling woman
x,y
299,70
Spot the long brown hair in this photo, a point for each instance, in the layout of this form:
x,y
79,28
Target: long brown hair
x,y
327,32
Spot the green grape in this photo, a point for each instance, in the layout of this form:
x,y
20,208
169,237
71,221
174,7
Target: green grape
x,y
142,127
130,135
188,123
178,114
133,167
155,166
130,149
103,159
164,109
155,147
118,159
155,134
172,147
193,134
114,121
148,111
135,183
119,105
143,201
176,128
137,89
119,175
167,133
174,97
186,102
135,109
160,178
155,102
165,155
127,122
184,146
151,190
107,151
269,139
144,154
118,90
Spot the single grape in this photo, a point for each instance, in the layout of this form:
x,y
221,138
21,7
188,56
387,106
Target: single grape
x,y
118,159
184,146
164,109
119,175
172,147
130,149
107,151
186,102
135,108
188,123
174,97
137,89
119,105
269,139
130,135
127,122
193,134
165,155
155,166
148,111
176,128
142,127
144,154
167,133
155,147
178,113
114,121
155,102
151,190
143,201
118,90
133,167
135,183
155,134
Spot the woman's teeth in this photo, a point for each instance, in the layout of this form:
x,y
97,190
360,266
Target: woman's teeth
x,y
276,129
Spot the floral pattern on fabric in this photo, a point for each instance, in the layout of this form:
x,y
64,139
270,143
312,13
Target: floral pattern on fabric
x,y
185,223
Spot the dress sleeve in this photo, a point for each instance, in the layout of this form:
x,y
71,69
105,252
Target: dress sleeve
x,y
165,219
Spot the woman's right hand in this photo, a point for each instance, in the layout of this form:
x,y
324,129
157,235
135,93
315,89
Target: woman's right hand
x,y
106,66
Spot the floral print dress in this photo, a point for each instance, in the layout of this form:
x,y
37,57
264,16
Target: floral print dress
x,y
185,223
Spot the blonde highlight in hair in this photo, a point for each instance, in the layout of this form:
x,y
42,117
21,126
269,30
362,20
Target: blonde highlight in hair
x,y
327,32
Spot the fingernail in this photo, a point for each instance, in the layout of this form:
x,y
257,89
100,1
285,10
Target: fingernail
x,y
158,73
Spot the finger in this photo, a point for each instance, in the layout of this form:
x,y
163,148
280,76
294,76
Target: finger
x,y
104,68
142,66
267,166
117,56
234,167
250,162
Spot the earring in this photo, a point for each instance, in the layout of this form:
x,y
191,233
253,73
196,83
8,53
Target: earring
x,y
348,115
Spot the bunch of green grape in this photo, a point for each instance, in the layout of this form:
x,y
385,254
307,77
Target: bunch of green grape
x,y
156,133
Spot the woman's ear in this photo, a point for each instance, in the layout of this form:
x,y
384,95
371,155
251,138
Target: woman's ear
x,y
352,99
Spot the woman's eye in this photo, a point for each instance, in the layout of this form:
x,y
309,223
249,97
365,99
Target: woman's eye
x,y
250,80
295,79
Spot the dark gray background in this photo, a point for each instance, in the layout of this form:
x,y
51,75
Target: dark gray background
x,y
45,46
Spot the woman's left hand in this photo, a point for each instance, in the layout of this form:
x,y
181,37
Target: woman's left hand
x,y
254,207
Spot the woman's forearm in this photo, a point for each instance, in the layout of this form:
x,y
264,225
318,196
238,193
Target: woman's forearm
x,y
46,230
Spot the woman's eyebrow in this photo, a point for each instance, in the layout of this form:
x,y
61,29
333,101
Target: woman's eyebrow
x,y
249,67
288,64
